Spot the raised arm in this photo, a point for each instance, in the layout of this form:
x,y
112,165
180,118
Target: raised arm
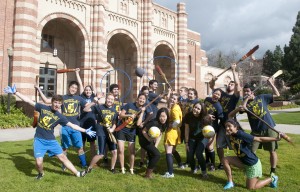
x,y
81,89
237,87
212,82
44,98
94,80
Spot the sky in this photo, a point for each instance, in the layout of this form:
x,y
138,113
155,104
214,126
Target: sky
x,y
239,25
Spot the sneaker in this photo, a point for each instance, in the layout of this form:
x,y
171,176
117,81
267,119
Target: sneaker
x,y
220,166
204,175
212,167
39,176
123,170
195,171
229,185
181,166
131,171
168,175
63,167
89,170
274,181
82,174
113,171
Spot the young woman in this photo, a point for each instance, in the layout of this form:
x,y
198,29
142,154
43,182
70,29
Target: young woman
x,y
107,118
129,132
215,111
172,136
246,159
195,142
87,118
149,144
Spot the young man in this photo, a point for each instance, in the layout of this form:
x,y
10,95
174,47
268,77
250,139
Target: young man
x,y
44,139
228,100
114,90
70,108
259,106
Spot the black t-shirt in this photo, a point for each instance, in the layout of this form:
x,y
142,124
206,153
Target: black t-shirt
x,y
195,126
214,108
48,119
87,119
228,103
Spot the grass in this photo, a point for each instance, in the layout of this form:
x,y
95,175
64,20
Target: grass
x,y
291,118
18,172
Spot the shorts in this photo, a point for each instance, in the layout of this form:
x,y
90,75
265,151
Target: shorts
x,y
223,140
70,137
172,136
87,138
42,146
102,141
122,136
253,171
267,146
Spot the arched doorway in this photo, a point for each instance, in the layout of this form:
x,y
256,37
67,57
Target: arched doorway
x,y
122,55
61,46
164,57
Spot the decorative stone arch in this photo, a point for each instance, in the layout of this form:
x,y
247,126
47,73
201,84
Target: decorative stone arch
x,y
73,22
167,44
130,35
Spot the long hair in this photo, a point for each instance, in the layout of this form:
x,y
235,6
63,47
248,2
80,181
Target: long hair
x,y
235,123
91,90
161,110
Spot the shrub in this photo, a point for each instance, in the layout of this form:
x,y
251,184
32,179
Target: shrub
x,y
16,118
263,91
297,102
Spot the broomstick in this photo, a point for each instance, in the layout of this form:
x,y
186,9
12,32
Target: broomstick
x,y
129,119
241,59
162,74
83,68
111,136
285,137
279,72
36,113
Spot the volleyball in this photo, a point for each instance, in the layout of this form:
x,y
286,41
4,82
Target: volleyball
x,y
154,132
208,131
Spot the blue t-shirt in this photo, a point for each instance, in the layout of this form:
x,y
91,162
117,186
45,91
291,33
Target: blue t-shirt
x,y
106,117
131,108
71,107
259,106
195,126
228,103
48,119
87,119
214,108
241,144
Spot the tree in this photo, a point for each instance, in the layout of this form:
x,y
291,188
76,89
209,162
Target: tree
x,y
272,62
291,61
221,60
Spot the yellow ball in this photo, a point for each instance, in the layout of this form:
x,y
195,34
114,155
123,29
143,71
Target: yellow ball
x,y
154,132
208,131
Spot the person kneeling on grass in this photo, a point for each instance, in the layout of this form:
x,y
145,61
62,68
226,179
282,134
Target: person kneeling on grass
x,y
246,159
44,139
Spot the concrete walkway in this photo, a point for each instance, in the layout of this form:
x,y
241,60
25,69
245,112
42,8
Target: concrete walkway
x,y
21,134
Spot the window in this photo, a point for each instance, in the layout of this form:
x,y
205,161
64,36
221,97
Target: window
x,y
47,41
47,81
190,64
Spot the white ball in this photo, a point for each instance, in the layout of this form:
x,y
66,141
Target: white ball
x,y
154,132
208,131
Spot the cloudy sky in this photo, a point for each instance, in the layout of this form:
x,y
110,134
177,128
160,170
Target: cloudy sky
x,y
240,24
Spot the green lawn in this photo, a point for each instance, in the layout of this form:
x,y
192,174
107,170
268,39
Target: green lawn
x,y
18,172
292,118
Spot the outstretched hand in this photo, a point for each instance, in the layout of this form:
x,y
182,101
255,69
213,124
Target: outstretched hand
x,y
11,90
90,132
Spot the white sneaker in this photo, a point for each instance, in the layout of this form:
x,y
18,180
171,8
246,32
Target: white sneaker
x,y
168,175
123,170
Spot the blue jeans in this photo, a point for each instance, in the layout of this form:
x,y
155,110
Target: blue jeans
x,y
196,147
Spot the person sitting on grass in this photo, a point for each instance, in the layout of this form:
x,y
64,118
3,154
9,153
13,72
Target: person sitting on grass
x,y
246,159
44,139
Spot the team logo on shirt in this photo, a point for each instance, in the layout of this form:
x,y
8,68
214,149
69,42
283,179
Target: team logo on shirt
x,y
236,146
256,107
70,107
47,119
210,108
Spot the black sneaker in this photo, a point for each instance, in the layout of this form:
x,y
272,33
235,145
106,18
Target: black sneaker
x,y
88,170
82,174
113,171
220,166
39,176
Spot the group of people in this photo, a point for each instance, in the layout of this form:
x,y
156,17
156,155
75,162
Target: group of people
x,y
94,117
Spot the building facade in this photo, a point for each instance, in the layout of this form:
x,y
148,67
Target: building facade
x,y
47,35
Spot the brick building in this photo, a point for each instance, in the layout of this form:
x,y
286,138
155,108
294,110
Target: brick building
x,y
124,34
